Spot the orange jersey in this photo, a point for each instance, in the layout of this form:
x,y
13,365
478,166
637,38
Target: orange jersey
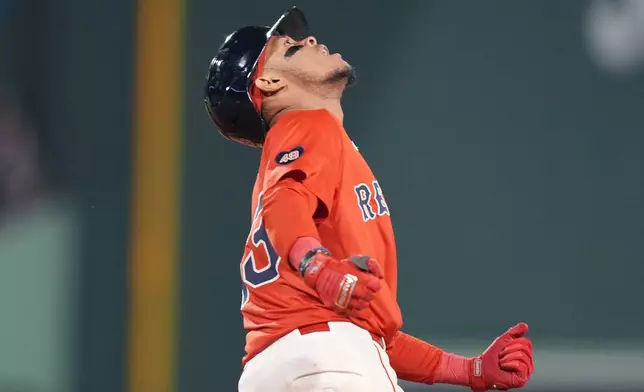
x,y
275,299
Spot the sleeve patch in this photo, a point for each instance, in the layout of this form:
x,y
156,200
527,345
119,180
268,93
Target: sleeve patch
x,y
286,157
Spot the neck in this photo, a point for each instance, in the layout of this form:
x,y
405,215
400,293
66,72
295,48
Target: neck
x,y
328,99
333,106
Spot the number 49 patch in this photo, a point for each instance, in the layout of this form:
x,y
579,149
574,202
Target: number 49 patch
x,y
286,157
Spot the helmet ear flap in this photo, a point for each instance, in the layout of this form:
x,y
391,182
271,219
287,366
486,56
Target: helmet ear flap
x,y
227,97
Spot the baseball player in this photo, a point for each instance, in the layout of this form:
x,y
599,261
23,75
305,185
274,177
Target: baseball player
x,y
319,266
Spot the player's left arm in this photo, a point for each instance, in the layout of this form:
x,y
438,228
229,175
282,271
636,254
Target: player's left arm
x,y
302,176
507,362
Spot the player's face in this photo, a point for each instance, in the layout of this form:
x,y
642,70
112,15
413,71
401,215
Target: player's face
x,y
308,61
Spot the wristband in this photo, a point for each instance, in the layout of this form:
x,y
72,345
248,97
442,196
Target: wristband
x,y
308,257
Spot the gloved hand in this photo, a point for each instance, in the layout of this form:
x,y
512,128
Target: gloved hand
x,y
506,364
348,285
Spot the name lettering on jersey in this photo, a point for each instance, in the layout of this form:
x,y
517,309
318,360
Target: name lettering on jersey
x,y
383,209
366,196
286,157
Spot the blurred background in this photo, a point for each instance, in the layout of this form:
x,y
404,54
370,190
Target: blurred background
x,y
508,137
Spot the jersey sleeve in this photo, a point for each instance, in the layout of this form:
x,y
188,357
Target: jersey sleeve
x,y
289,209
306,147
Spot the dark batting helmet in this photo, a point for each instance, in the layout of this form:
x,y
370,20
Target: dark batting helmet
x,y
227,96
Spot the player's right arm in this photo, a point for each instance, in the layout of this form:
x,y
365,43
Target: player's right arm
x,y
304,153
506,364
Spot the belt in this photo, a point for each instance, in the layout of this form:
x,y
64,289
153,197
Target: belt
x,y
324,327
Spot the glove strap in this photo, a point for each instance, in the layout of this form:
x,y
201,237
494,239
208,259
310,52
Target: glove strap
x,y
476,375
308,257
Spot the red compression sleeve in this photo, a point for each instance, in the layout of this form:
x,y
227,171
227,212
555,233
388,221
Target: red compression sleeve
x,y
418,361
413,359
454,370
288,215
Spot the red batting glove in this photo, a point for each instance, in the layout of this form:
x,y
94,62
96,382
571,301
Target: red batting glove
x,y
348,285
506,364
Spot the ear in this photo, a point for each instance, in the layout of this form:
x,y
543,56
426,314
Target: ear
x,y
269,84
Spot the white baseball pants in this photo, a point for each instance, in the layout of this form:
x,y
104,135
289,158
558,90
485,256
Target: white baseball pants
x,y
343,359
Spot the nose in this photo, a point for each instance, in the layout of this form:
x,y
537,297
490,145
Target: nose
x,y
310,41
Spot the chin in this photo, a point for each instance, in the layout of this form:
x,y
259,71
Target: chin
x,y
345,75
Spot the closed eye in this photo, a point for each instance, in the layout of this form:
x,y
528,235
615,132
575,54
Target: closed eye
x,y
292,50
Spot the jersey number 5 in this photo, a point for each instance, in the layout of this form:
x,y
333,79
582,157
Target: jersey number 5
x,y
259,267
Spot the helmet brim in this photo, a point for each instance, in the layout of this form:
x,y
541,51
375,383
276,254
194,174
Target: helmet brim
x,y
292,23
